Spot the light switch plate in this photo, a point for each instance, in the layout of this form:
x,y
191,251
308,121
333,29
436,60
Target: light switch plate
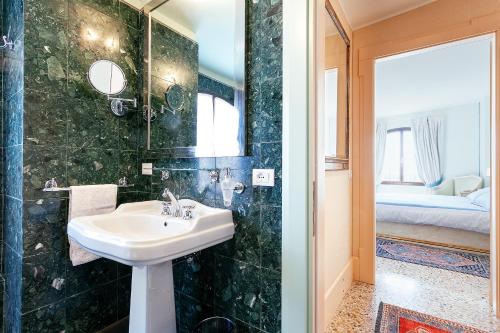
x,y
147,169
263,177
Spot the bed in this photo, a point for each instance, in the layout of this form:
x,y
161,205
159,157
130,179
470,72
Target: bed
x,y
452,221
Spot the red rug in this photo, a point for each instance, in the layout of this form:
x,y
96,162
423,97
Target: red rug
x,y
393,319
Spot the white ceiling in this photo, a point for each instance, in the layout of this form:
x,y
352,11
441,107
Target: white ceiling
x,y
361,13
436,78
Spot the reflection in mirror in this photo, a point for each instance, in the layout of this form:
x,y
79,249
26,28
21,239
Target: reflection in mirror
x,y
336,76
107,77
198,74
174,97
331,106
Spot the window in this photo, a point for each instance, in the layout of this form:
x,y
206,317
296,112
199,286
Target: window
x,y
400,166
217,127
331,92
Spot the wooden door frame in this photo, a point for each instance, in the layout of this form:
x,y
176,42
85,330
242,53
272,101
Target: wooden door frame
x,y
363,166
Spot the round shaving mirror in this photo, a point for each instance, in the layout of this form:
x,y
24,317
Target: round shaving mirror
x,y
107,77
174,96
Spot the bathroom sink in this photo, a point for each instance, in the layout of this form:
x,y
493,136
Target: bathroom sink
x,y
137,234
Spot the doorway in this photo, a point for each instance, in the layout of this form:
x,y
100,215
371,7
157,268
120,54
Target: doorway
x,y
433,180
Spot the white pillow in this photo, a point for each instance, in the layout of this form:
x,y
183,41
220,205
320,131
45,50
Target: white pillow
x,y
481,198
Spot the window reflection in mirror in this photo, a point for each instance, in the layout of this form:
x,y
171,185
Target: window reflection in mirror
x,y
217,127
200,46
331,106
336,76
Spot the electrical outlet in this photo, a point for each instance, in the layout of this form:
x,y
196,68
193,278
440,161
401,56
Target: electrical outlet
x,y
263,177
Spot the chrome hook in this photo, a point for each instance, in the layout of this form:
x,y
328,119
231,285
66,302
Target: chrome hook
x,y
7,44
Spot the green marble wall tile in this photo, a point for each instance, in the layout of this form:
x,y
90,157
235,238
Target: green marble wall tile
x,y
92,36
45,117
88,276
196,185
107,7
92,310
92,166
129,167
267,121
123,296
270,237
44,226
47,319
191,312
130,16
193,276
271,157
271,301
92,125
46,42
43,280
41,163
237,289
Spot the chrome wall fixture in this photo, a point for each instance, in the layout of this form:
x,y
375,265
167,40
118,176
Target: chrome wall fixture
x,y
118,107
229,186
7,43
214,176
51,185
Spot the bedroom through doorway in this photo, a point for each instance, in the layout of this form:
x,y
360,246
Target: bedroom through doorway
x,y
433,176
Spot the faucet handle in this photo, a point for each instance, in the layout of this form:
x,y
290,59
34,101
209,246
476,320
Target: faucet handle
x,y
165,193
167,209
187,212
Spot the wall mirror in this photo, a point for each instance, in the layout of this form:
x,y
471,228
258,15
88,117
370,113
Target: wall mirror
x,y
196,78
107,77
336,76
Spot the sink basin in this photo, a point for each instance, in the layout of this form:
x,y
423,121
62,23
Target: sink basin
x,y
137,234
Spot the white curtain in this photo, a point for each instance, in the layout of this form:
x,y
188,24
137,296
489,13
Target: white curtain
x,y
381,136
427,134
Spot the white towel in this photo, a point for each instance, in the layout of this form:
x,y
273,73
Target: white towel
x,y
87,201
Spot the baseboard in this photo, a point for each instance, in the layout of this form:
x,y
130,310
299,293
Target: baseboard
x,y
120,326
337,290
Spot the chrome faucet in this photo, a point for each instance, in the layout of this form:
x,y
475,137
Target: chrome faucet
x,y
173,207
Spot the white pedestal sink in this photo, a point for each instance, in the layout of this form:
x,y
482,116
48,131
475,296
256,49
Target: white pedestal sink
x,y
136,234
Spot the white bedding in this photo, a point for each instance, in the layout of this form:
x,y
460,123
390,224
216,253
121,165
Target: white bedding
x,y
439,210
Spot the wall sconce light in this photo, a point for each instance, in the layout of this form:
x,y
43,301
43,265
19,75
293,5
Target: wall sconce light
x,y
110,43
170,78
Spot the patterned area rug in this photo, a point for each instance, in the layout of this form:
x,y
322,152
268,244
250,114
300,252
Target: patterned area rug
x,y
452,260
393,319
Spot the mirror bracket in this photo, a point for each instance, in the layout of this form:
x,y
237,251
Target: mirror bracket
x,y
117,107
133,101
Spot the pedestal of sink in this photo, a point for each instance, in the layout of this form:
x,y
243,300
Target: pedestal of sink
x,y
152,303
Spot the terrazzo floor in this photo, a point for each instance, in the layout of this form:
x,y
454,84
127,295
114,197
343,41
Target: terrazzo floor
x,y
450,295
